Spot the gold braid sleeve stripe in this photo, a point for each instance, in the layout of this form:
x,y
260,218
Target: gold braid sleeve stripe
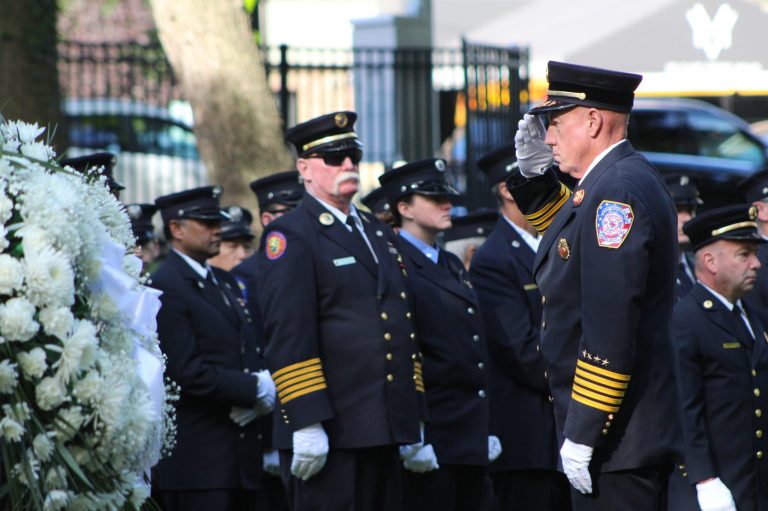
x,y
585,383
286,371
594,404
605,382
302,391
544,216
602,372
298,378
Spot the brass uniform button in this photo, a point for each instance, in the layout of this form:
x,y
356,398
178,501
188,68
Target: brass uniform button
x,y
608,424
413,336
610,416
481,393
759,433
538,348
390,378
551,399
757,392
402,295
759,455
758,413
470,310
543,299
384,316
387,336
543,325
408,315
480,365
605,432
754,373
389,356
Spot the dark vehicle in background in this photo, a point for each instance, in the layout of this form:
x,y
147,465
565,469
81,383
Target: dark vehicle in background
x,y
156,151
684,136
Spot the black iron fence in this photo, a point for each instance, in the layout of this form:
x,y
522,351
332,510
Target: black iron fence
x,y
412,102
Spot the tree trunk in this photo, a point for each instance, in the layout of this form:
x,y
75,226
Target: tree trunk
x,y
29,79
214,56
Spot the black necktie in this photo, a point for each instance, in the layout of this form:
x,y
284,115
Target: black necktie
x,y
359,240
212,283
743,330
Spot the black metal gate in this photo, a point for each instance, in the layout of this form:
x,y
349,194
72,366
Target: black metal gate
x,y
496,88
412,103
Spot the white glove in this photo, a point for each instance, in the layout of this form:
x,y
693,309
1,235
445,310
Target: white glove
x,y
310,450
266,392
713,495
419,457
533,155
494,448
271,462
576,458
242,416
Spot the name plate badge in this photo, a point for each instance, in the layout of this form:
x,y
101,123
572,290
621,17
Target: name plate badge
x,y
731,345
344,261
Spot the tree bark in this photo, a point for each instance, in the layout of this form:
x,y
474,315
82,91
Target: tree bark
x,y
29,79
214,56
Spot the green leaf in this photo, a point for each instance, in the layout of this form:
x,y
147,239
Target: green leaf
x,y
69,460
250,5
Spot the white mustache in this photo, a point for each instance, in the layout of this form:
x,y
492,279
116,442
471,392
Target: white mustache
x,y
344,176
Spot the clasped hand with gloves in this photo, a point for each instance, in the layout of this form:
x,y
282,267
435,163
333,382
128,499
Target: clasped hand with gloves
x,y
534,157
713,495
419,457
576,458
310,451
265,401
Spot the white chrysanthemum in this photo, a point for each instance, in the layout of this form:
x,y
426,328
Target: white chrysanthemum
x,y
21,131
38,151
42,446
71,420
56,478
11,146
50,279
6,208
79,350
11,430
104,307
34,238
32,363
112,401
11,274
139,494
49,393
8,377
17,320
56,499
57,321
20,412
88,389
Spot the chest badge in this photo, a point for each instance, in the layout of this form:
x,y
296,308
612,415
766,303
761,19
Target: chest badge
x,y
578,197
326,218
563,249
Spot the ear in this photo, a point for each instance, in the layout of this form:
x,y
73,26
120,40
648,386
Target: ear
x,y
302,165
405,210
266,217
504,191
762,210
709,260
177,228
594,122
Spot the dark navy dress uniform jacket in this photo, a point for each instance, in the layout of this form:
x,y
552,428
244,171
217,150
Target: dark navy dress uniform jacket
x,y
521,412
723,383
452,343
211,350
605,269
342,349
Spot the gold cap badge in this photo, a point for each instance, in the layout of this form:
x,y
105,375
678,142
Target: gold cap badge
x,y
341,120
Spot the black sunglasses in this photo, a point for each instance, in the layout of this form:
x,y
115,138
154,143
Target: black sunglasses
x,y
336,158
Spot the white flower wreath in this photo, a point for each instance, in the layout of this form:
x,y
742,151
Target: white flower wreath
x,y
85,411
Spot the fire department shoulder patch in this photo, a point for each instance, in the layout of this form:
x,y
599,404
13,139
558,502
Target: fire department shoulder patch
x,y
613,222
275,245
